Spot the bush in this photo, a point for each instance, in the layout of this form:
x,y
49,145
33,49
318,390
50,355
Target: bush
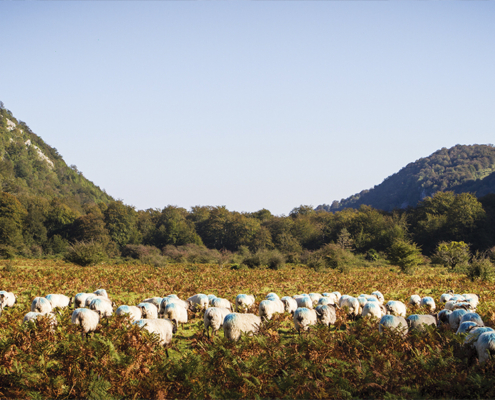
x,y
453,255
193,253
276,260
7,252
405,255
271,258
481,268
86,253
139,251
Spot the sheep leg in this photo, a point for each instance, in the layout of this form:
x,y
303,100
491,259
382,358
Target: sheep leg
x,y
166,351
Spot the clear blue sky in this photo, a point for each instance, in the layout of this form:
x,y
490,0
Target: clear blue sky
x,y
248,104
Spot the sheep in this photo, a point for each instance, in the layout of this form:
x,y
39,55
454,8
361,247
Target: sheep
x,y
80,299
133,312
175,312
290,304
443,316
7,299
342,299
475,333
372,309
337,294
269,307
396,308
472,298
428,303
172,296
415,300
164,328
446,296
271,296
153,300
393,322
223,303
457,297
466,327
304,318
333,296
33,315
455,318
362,300
379,296
418,322
214,317
211,297
88,319
41,305
103,306
352,304
326,301
58,300
304,302
449,305
485,346
243,302
90,298
101,292
326,314
236,323
169,300
473,317
314,298
149,311
198,301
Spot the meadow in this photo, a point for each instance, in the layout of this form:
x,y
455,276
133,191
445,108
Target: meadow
x,y
348,360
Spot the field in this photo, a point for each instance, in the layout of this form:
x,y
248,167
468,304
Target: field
x,y
348,360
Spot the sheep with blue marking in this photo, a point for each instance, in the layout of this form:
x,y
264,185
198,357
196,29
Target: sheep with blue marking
x,y
303,318
379,296
175,300
475,333
102,305
164,328
352,305
290,304
234,324
455,318
7,299
175,312
473,317
214,317
428,303
373,309
80,299
396,308
472,298
133,312
485,346
418,322
446,296
41,305
304,301
415,300
87,319
243,302
269,307
466,327
33,316
325,314
198,302
332,296
325,301
314,298
443,316
101,292
149,311
272,296
393,322
222,303
157,301
58,300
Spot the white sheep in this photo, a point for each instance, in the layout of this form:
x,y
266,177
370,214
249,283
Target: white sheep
x,y
314,298
271,296
133,312
148,310
154,300
89,299
290,304
393,322
175,312
102,305
243,302
326,314
472,298
164,328
33,316
88,319
236,323
213,318
269,307
41,305
80,299
475,333
473,317
303,318
101,292
352,304
443,316
304,302
175,300
362,300
337,295
428,303
466,327
222,303
485,346
418,322
58,300
455,318
396,308
446,297
379,296
326,301
199,301
333,296
7,299
415,300
211,297
373,310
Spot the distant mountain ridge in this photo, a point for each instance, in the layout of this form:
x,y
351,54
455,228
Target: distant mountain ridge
x,y
30,167
462,168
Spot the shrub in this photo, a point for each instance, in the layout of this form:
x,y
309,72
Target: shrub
x,y
481,268
194,253
276,260
453,255
139,251
7,251
405,255
86,253
10,266
271,258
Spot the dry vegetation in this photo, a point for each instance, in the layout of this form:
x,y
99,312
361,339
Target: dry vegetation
x,y
348,360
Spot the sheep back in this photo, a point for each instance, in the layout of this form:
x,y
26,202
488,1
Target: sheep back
x,y
236,323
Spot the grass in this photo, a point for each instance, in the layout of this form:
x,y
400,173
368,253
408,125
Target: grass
x,y
350,359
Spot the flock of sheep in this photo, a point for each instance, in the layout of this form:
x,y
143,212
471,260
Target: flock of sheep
x,y
162,315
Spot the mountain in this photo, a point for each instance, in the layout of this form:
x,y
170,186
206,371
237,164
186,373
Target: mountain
x,y
30,167
459,169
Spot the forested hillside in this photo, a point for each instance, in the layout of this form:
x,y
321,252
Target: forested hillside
x,y
30,167
458,169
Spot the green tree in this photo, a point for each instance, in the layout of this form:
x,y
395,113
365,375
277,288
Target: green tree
x,y
406,255
452,255
120,221
12,214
